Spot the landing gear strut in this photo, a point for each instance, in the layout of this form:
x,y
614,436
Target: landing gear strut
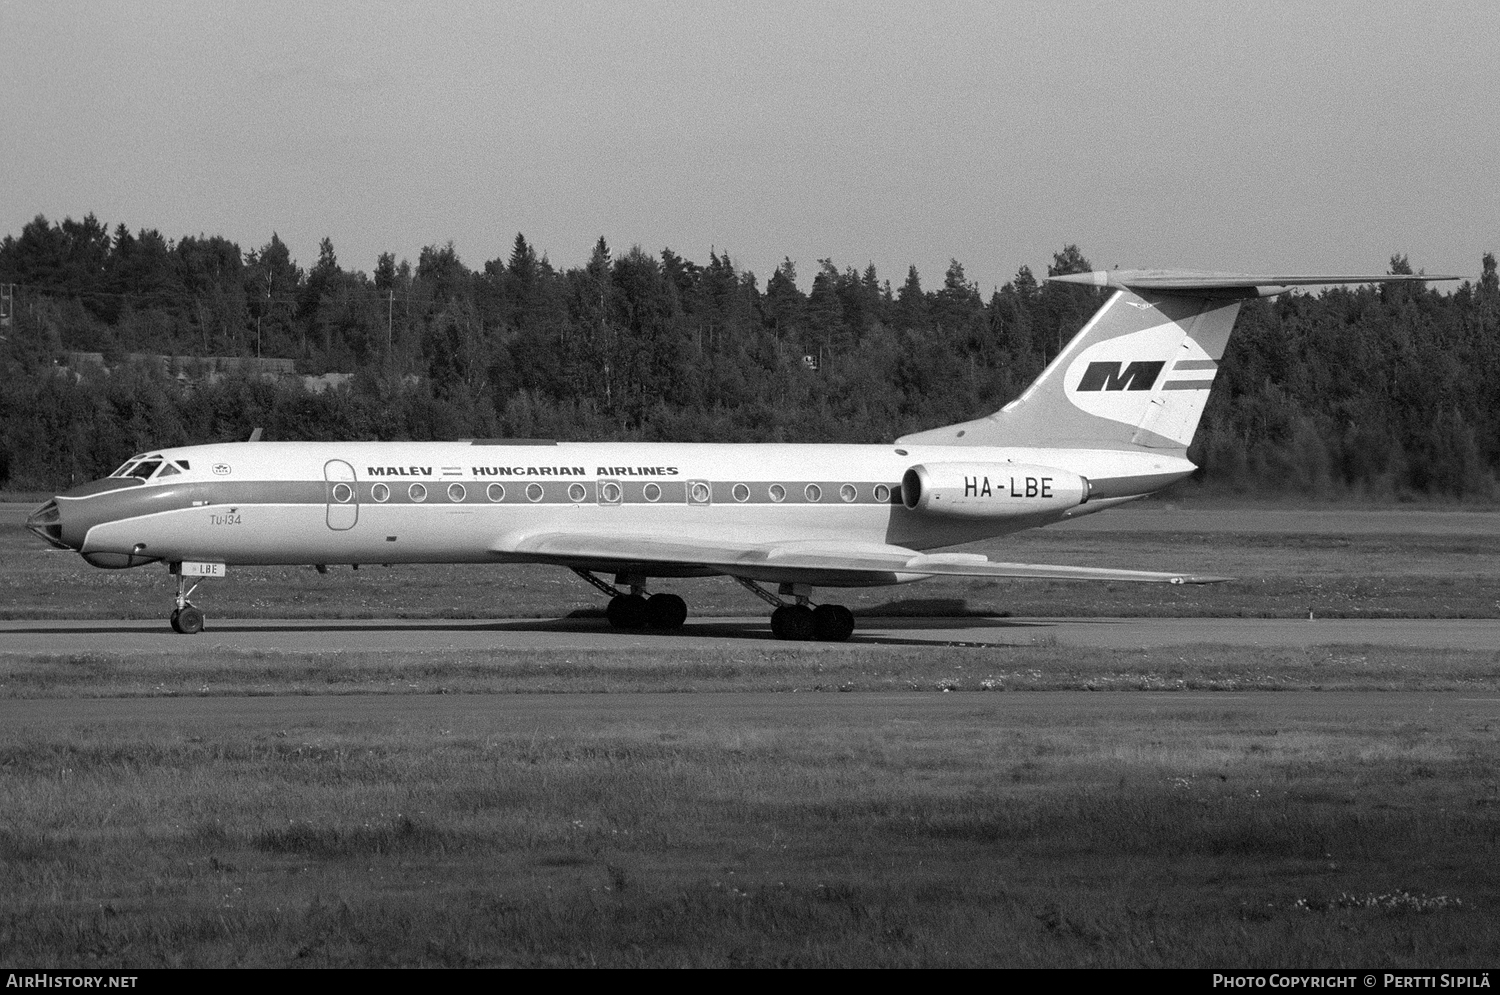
x,y
186,617
637,609
800,620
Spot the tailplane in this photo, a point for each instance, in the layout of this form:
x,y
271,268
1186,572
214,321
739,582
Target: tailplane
x,y
1138,375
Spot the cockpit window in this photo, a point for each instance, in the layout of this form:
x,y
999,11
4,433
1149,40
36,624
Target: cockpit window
x,y
128,468
145,467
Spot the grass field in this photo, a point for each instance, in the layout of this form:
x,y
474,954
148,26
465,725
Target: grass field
x,y
730,807
914,830
759,667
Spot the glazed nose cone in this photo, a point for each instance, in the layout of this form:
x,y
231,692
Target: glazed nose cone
x,y
46,522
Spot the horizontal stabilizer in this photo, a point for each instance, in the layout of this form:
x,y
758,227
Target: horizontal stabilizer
x,y
796,561
1166,281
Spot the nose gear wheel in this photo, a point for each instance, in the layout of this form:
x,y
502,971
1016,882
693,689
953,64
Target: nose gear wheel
x,y
186,618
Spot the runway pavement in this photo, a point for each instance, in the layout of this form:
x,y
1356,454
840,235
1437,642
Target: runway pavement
x,y
68,637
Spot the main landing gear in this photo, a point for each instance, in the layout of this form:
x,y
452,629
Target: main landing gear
x,y
186,618
800,620
638,610
832,623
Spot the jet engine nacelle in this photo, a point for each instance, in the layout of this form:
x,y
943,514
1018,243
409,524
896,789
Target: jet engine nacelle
x,y
990,490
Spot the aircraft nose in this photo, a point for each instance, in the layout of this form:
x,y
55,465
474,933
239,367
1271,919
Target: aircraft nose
x,y
46,522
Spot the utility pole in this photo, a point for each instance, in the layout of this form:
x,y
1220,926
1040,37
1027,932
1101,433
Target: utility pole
x,y
263,311
390,304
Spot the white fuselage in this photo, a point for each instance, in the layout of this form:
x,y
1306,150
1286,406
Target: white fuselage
x,y
456,502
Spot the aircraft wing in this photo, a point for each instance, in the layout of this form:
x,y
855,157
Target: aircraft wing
x,y
794,562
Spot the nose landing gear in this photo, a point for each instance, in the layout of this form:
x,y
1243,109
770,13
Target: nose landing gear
x,y
186,618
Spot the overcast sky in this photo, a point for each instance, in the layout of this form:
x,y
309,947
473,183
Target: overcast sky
x,y
1313,137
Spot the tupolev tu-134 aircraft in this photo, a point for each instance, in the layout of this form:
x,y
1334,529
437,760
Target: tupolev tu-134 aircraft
x,y
1109,420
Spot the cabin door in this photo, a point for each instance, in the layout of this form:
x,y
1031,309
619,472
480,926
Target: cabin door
x,y
342,489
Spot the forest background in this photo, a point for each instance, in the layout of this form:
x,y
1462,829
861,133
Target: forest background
x,y
1389,392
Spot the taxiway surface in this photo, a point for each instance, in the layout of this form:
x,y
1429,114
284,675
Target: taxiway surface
x,y
426,635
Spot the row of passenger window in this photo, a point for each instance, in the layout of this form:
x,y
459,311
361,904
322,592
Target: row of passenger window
x,y
610,493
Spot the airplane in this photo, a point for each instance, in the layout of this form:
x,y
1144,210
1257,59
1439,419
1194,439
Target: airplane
x,y
1108,421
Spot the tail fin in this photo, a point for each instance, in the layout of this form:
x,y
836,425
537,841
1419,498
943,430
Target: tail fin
x,y
1139,373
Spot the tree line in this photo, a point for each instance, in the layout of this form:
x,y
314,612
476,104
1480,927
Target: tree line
x,y
1388,391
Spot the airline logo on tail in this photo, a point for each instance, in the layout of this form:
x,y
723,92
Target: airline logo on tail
x,y
1139,375
1118,377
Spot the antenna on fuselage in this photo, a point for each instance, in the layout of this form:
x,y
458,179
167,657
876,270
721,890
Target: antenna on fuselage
x,y
255,435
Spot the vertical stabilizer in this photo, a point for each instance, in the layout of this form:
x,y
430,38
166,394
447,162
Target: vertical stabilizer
x,y
1138,374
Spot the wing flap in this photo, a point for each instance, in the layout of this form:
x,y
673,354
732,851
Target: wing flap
x,y
792,561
